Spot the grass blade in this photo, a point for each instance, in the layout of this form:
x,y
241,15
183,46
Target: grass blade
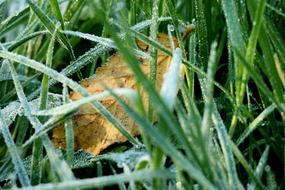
x,y
259,81
224,141
105,180
251,47
72,7
168,52
47,22
13,21
93,53
69,134
69,107
255,123
246,165
16,159
58,165
164,143
202,33
236,40
103,41
56,11
153,52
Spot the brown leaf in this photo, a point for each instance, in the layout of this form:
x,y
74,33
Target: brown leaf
x,y
92,132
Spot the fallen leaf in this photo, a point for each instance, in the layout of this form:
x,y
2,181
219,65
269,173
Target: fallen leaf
x,y
92,132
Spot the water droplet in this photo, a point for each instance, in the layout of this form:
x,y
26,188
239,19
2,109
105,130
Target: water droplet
x,y
178,185
170,28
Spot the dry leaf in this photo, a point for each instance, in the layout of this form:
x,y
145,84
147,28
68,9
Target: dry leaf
x,y
92,132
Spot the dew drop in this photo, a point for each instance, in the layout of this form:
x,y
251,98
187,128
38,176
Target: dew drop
x,y
170,28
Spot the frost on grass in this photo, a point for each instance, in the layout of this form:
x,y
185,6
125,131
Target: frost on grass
x,y
14,108
6,75
82,159
11,111
130,157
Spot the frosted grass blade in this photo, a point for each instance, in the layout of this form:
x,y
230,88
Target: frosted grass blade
x,y
50,26
16,159
105,180
56,11
66,108
255,123
59,166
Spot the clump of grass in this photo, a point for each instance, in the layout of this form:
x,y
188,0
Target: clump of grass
x,y
221,126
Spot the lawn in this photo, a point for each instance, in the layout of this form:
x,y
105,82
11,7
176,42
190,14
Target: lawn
x,y
142,94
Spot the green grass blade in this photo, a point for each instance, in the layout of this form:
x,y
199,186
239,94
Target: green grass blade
x,y
72,8
246,165
236,40
56,11
164,143
13,21
3,4
262,162
153,52
37,146
16,159
105,180
252,42
12,92
95,52
59,166
36,167
45,80
208,93
201,32
278,42
223,137
279,69
224,141
268,64
12,46
174,17
233,25
47,22
69,107
259,81
255,123
275,10
184,61
69,133
103,41
49,125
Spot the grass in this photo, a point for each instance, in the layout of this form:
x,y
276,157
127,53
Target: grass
x,y
220,126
